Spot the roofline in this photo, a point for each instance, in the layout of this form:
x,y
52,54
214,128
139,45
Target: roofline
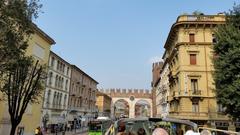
x,y
74,66
43,34
177,23
51,52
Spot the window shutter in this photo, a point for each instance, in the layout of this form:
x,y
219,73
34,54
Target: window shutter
x,y
193,59
191,38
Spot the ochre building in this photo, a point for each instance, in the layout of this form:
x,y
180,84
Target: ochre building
x,y
191,86
39,47
103,104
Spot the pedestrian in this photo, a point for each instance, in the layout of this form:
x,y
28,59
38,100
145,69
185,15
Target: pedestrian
x,y
38,131
160,131
189,130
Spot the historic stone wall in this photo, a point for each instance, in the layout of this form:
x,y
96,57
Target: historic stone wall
x,y
137,93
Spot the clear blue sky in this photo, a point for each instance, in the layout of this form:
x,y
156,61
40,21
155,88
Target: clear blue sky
x,y
116,41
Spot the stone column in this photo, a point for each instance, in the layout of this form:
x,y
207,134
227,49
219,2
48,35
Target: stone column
x,y
112,110
132,109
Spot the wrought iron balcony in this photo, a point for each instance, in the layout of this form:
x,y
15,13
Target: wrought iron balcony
x,y
195,93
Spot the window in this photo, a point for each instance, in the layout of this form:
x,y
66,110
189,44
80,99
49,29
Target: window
x,y
56,81
67,70
58,65
195,106
38,51
62,81
194,86
66,85
193,59
52,62
191,38
60,100
50,78
48,98
80,102
65,100
63,68
54,98
59,82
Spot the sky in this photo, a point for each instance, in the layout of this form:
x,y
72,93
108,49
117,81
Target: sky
x,y
116,41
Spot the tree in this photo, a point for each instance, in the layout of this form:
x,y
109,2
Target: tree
x,y
20,78
197,12
227,63
22,84
16,27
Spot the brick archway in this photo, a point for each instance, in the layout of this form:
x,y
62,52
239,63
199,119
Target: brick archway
x,y
131,96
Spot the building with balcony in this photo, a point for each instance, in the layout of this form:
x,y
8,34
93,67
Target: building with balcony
x,y
82,96
104,104
55,103
39,47
191,86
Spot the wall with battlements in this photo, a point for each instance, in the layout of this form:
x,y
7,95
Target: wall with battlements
x,y
137,93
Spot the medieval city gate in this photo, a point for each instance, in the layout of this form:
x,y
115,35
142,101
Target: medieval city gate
x,y
131,97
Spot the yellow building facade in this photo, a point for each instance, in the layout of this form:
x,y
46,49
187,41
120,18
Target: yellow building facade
x,y
104,104
189,55
39,47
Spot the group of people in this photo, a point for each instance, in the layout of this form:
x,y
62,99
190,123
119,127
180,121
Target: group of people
x,y
122,128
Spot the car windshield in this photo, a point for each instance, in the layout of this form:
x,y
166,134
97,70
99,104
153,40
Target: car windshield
x,y
146,126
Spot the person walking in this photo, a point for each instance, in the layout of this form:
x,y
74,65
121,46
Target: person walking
x,y
38,131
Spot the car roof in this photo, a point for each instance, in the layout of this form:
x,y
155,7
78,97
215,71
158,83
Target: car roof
x,y
173,120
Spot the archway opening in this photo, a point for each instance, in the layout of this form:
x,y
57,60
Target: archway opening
x,y
121,108
142,109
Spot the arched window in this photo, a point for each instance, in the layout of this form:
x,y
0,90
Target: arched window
x,y
50,78
54,99
48,98
52,62
65,100
66,85
62,83
56,81
58,65
59,82
60,100
63,68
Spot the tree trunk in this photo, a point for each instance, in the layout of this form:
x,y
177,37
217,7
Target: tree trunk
x,y
13,129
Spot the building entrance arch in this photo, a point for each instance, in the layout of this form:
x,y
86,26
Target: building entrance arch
x,y
131,97
142,108
121,108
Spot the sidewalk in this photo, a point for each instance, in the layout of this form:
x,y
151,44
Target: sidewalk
x,y
73,132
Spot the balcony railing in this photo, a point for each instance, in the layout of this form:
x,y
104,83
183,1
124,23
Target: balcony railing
x,y
217,115
195,93
189,115
201,18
